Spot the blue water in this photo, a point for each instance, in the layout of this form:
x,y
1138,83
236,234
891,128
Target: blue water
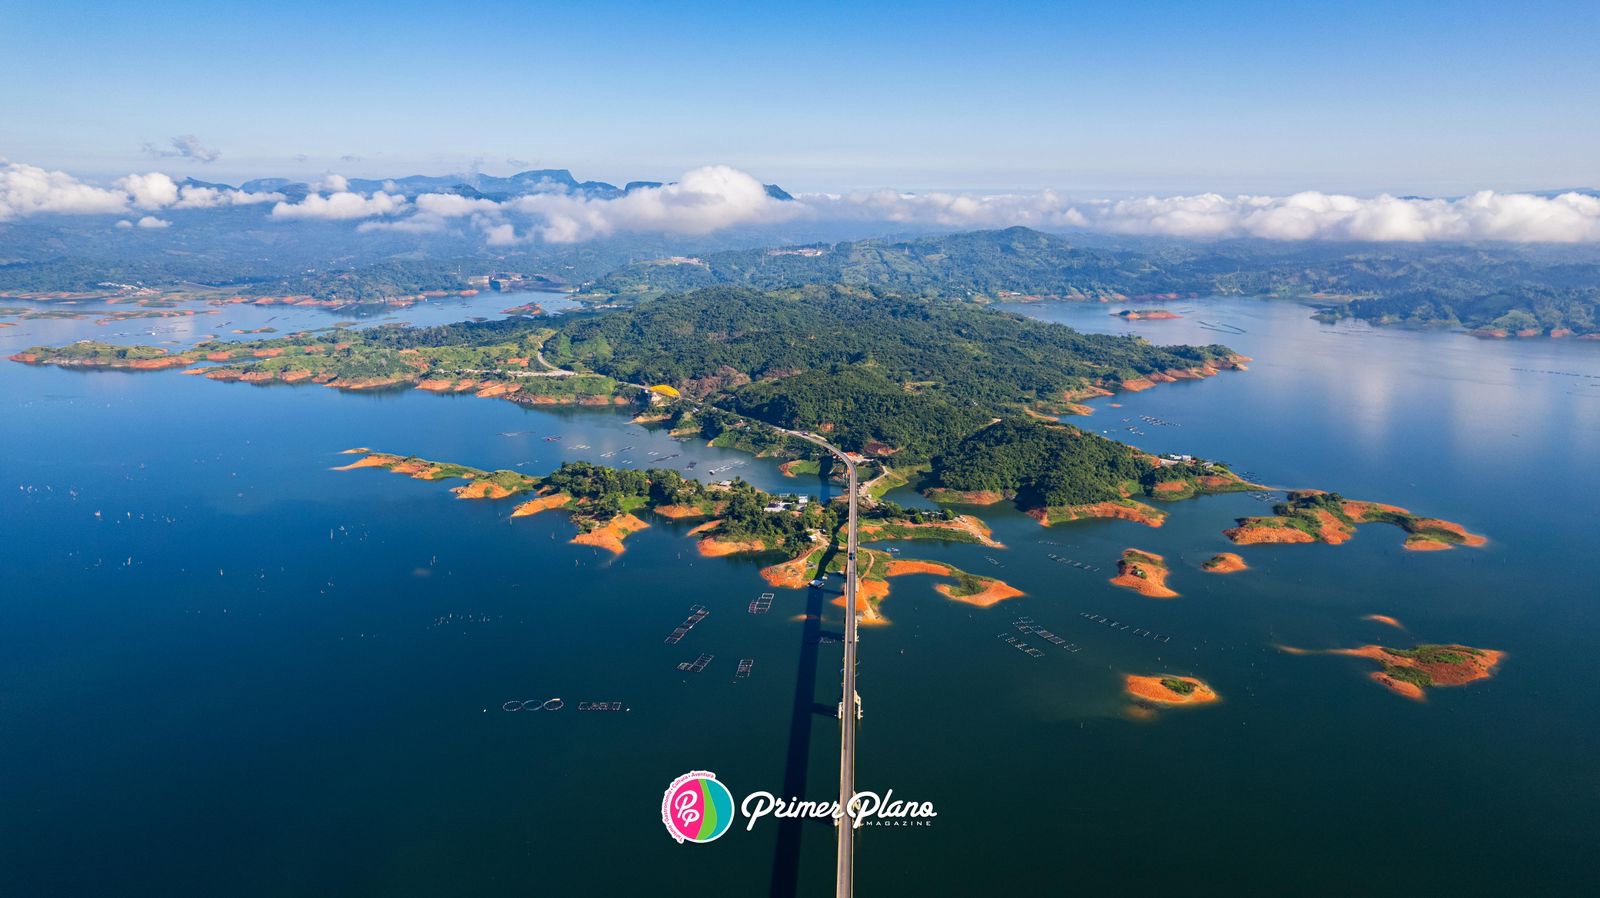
x,y
253,675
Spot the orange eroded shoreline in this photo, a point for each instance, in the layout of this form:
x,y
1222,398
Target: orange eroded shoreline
x,y
1257,533
898,568
712,547
1384,619
542,503
1151,689
481,489
679,512
993,593
1144,573
1225,563
966,523
1475,664
868,594
791,574
611,534
972,497
1137,512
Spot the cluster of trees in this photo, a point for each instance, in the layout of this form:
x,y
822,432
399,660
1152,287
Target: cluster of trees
x,y
745,518
608,491
1333,503
1042,464
859,406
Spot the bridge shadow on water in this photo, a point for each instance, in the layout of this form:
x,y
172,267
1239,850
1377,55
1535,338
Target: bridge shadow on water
x,y
803,713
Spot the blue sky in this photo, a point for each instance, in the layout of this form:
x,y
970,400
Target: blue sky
x,y
1104,98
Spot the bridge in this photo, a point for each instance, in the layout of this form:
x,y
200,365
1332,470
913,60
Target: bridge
x,y
850,705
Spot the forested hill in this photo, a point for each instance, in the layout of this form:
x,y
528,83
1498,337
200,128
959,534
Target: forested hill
x,y
1518,311
721,337
980,263
1471,286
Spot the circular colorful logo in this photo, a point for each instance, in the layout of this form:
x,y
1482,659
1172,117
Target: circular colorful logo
x,y
696,807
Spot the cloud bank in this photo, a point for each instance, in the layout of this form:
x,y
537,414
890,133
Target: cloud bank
x,y
342,205
1486,215
30,190
716,198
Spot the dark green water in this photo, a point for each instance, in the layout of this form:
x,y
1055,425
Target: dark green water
x,y
251,707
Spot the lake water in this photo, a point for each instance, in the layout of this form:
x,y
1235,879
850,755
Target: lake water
x,y
252,675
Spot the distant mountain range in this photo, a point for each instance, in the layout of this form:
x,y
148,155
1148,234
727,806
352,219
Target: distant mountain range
x,y
476,186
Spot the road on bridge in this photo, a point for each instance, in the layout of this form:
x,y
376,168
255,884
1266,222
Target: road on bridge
x,y
850,704
844,873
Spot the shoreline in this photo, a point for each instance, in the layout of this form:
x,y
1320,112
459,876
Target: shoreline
x,y
1145,573
1169,689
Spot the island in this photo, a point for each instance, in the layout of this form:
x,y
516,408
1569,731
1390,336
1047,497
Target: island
x,y
982,592
728,518
1169,689
1145,315
1409,672
948,397
1224,563
1144,573
1312,516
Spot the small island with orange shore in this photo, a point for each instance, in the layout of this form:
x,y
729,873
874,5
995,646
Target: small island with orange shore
x,y
874,569
1169,689
1224,563
971,589
1144,573
1312,516
1409,672
1145,315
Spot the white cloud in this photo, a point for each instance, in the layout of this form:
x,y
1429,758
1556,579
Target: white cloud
x,y
718,197
124,224
500,235
1521,218
343,205
193,197
28,189
705,200
150,221
449,205
186,146
151,191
